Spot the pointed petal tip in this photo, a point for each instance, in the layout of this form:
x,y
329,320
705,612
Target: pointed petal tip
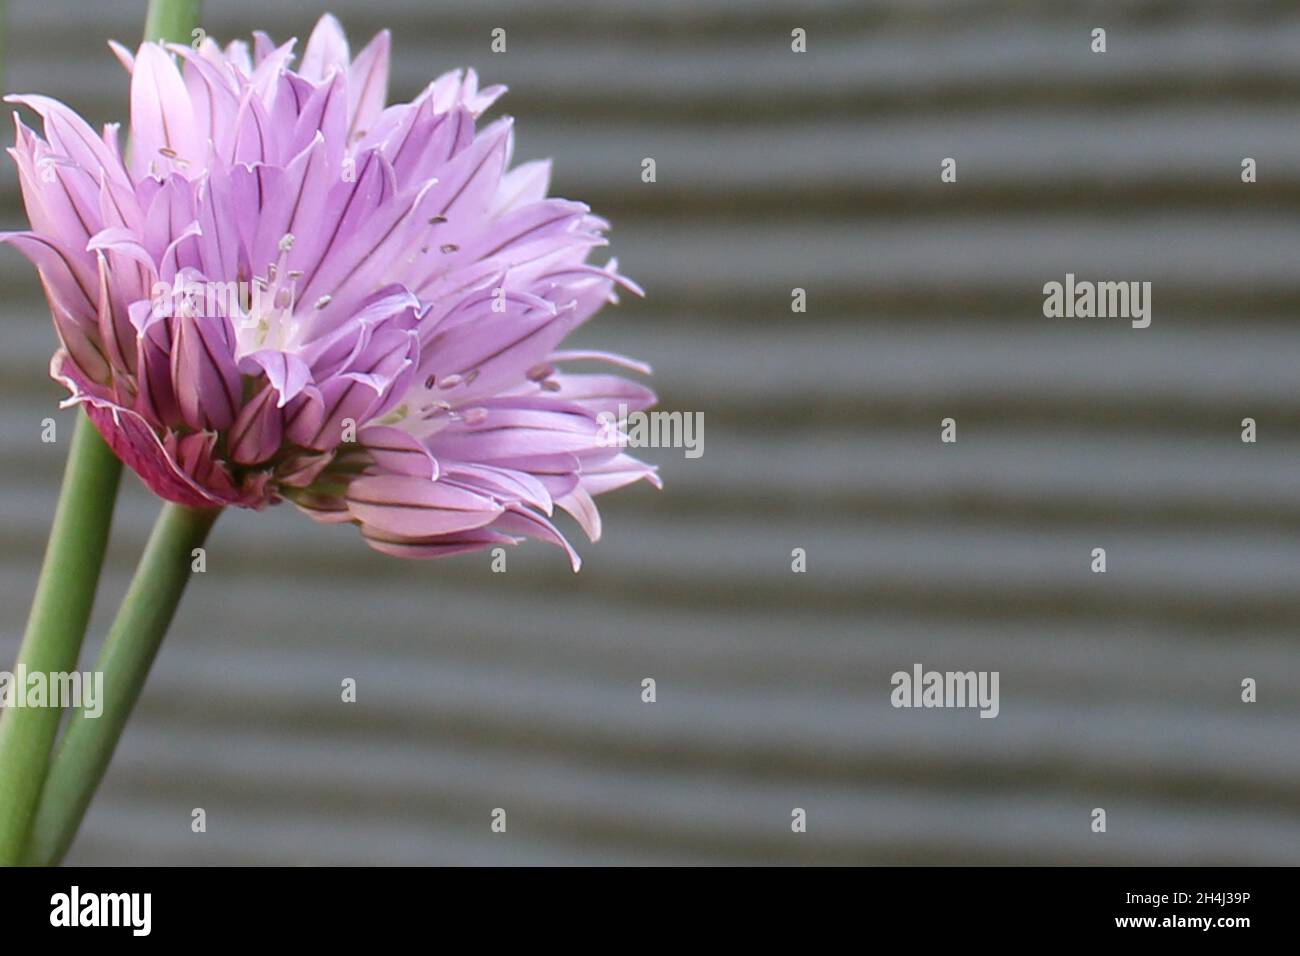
x,y
124,55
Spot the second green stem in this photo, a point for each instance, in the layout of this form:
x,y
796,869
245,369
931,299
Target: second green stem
x,y
128,653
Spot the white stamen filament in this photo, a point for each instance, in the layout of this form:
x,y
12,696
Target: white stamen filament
x,y
270,321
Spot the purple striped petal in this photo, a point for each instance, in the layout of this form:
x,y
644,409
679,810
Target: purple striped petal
x,y
404,506
399,453
162,118
205,377
258,429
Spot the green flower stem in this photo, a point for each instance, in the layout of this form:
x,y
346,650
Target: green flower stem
x,y
128,653
65,593
171,20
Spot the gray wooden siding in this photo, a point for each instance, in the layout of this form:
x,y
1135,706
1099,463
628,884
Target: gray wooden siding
x,y
775,170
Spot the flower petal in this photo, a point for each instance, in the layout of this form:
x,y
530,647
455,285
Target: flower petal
x,y
204,374
398,453
326,51
368,85
258,429
405,506
162,115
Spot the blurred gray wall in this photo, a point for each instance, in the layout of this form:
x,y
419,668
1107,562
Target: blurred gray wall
x,y
776,170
